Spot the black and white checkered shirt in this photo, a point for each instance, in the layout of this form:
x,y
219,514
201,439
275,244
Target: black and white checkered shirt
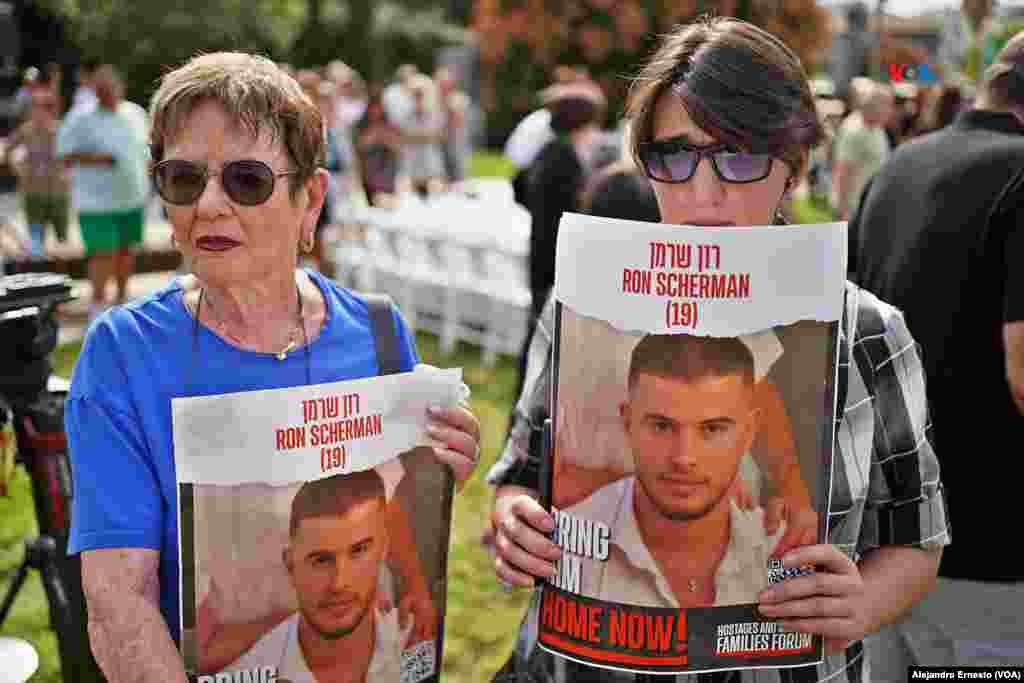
x,y
885,479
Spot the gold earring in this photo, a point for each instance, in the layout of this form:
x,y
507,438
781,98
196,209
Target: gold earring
x,y
308,244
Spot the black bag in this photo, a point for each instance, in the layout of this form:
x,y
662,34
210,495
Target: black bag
x,y
389,355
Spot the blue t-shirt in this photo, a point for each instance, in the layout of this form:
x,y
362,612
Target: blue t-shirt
x,y
138,357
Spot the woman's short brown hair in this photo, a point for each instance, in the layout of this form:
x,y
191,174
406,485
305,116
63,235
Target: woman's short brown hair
x,y
251,89
737,82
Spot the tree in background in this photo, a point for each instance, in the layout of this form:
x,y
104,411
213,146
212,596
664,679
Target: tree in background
x,y
521,41
145,38
372,37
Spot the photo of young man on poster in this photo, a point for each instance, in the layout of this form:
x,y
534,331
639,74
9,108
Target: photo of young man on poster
x,y
249,595
592,451
678,535
338,543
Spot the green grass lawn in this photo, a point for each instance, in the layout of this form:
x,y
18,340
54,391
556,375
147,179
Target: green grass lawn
x,y
490,165
811,211
29,617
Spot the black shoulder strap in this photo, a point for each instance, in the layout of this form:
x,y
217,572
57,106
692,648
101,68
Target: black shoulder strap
x,y
848,323
381,310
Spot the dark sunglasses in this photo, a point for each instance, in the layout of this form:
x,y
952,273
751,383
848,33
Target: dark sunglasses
x,y
247,182
675,161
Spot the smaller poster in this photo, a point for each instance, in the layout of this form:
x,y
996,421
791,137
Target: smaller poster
x,y
694,402
314,525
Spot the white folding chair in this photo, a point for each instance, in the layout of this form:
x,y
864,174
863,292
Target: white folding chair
x,y
423,281
377,254
351,253
467,305
506,284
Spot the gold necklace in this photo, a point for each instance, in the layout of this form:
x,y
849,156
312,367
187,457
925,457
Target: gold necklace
x,y
222,327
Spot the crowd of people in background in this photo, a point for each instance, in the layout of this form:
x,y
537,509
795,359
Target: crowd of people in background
x,y
864,129
412,134
410,139
415,133
560,147
937,232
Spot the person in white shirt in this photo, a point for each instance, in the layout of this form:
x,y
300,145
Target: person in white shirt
x,y
397,96
529,137
677,537
338,544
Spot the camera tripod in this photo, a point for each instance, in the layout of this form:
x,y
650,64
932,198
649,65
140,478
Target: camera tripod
x,y
33,409
41,555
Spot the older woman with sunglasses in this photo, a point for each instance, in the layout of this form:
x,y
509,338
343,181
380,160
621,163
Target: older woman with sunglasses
x,y
722,122
235,145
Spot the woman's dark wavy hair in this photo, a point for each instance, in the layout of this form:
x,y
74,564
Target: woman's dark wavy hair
x,y
737,82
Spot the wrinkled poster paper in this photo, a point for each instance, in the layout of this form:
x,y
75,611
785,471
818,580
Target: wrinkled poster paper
x,y
694,398
314,521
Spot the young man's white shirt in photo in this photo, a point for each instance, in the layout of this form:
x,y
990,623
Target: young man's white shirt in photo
x,y
631,575
280,648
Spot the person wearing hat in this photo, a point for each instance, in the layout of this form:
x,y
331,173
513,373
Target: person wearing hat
x,y
558,174
530,135
554,182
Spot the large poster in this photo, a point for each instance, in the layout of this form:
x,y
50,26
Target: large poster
x,y
314,531
694,398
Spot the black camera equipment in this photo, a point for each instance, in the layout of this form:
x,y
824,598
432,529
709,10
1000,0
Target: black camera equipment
x,y
34,403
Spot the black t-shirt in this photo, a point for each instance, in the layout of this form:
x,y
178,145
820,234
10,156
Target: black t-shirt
x,y
940,234
553,186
